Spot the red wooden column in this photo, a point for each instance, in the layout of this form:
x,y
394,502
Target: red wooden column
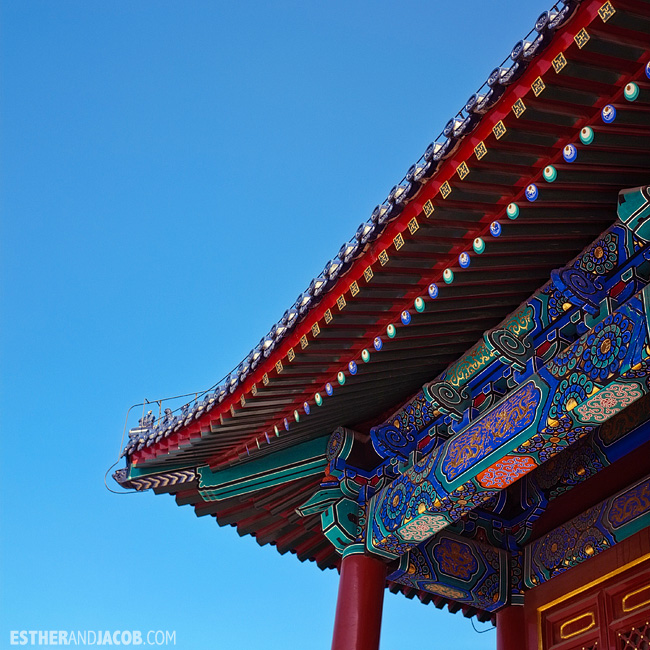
x,y
511,630
360,601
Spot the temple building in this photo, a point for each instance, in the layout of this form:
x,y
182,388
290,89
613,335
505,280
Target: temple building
x,y
458,407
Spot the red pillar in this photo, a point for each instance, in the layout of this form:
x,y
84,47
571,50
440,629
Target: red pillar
x,y
360,601
511,629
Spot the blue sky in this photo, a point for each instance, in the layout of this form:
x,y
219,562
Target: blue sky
x,y
173,176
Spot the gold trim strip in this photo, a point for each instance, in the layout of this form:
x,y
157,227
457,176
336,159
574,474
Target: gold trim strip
x,y
591,624
581,590
634,593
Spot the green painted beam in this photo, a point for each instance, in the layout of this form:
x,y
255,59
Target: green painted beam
x,y
306,459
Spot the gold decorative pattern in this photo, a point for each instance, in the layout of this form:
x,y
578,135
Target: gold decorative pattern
x,y
340,302
265,379
354,289
398,240
559,62
464,369
328,316
499,129
538,86
242,401
368,274
606,11
315,330
232,410
521,321
635,605
413,226
291,355
581,630
462,170
254,390
480,150
581,38
278,366
303,341
444,590
519,107
383,257
581,590
445,189
428,208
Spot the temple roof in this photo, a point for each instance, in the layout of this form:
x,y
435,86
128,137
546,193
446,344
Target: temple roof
x,y
520,181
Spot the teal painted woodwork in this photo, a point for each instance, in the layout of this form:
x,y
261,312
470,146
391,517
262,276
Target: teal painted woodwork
x,y
307,459
341,523
598,376
634,210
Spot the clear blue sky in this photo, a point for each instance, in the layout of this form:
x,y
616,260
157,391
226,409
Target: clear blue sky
x,y
173,176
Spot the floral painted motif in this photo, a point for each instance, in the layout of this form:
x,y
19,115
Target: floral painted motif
x,y
394,503
557,302
455,558
423,467
488,594
554,547
463,499
335,444
563,363
608,402
391,544
587,534
603,351
423,499
572,391
565,470
419,568
602,256
506,471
